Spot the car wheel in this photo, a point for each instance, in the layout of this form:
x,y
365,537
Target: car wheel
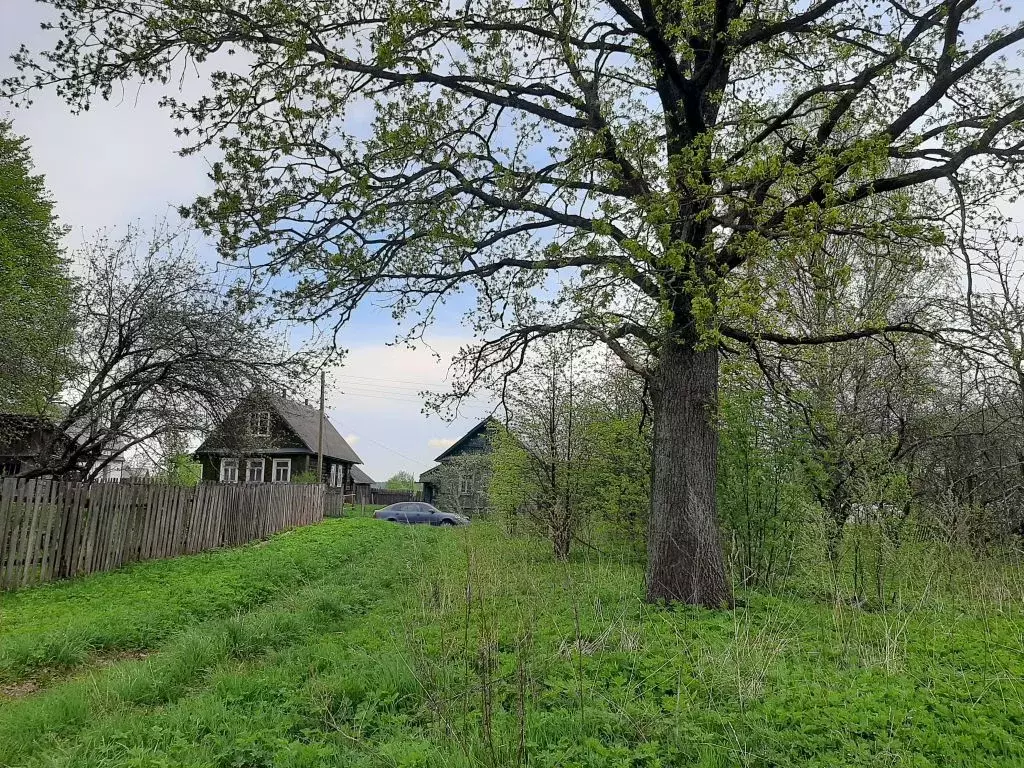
x,y
446,522
392,519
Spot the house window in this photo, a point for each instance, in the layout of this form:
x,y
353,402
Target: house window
x,y
259,424
254,470
229,470
333,481
465,483
282,470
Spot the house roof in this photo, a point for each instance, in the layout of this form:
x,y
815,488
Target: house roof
x,y
304,421
361,478
429,474
457,445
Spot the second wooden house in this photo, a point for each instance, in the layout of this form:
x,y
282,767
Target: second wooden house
x,y
459,481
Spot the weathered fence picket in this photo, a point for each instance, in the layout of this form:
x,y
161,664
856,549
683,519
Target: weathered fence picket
x,y
52,530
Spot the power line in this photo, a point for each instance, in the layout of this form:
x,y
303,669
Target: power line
x,y
397,384
416,462
397,453
415,382
382,397
358,387
397,398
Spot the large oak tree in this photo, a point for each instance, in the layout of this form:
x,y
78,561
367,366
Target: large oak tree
x,y
628,169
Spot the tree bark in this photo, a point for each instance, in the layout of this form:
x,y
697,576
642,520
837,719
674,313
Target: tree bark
x,y
561,535
684,551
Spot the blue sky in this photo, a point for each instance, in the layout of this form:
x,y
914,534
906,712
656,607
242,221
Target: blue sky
x,y
117,164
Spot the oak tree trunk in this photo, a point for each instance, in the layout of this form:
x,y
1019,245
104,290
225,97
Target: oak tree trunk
x,y
684,551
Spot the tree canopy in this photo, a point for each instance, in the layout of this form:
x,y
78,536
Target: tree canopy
x,y
401,481
34,287
633,170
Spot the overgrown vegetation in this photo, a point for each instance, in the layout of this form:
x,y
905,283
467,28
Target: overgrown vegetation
x,y
573,460
412,646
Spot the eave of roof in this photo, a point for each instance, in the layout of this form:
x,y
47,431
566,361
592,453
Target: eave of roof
x,y
429,473
465,438
361,478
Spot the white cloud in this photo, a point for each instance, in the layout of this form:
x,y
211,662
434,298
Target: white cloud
x,y
352,439
440,442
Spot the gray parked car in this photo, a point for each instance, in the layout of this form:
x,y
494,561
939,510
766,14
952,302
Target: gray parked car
x,y
418,512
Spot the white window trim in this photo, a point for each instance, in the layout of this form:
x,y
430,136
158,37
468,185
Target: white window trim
x,y
254,463
228,464
287,463
254,423
333,476
465,484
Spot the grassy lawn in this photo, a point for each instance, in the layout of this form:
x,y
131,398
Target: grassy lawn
x,y
355,643
56,626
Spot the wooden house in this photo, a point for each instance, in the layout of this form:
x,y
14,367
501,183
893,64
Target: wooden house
x,y
271,439
458,480
29,443
23,440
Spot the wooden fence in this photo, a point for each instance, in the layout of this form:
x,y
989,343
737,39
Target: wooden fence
x,y
335,500
384,497
53,530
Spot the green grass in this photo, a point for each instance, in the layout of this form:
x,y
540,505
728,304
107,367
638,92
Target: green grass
x,y
394,646
61,625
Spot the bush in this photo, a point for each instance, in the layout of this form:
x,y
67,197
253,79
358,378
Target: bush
x,y
763,503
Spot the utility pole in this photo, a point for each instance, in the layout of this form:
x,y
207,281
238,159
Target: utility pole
x,y
320,432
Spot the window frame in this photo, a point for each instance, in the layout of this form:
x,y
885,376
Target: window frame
x,y
249,464
465,484
225,463
255,419
287,464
